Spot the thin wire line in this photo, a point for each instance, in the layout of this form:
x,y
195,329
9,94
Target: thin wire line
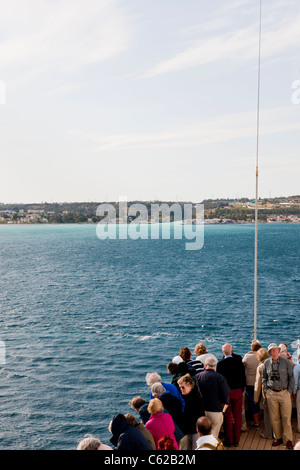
x,y
256,175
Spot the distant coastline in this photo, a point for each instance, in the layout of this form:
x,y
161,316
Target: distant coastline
x,y
216,211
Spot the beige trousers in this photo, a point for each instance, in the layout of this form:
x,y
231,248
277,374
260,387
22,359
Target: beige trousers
x,y
280,410
188,442
216,421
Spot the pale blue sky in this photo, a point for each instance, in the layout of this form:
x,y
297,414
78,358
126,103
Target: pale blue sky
x,y
148,99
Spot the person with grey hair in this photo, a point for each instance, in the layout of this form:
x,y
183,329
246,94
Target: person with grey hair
x,y
158,389
172,405
211,362
215,393
90,442
154,377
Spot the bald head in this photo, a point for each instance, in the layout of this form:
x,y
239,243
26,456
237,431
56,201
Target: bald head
x,y
227,349
203,426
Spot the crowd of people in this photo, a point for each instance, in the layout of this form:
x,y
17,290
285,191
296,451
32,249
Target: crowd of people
x,y
208,403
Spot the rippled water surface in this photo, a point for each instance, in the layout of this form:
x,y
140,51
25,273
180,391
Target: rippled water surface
x,y
83,320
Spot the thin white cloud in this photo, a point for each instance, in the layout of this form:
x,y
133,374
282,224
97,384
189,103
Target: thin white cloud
x,y
67,88
63,34
214,130
222,47
279,35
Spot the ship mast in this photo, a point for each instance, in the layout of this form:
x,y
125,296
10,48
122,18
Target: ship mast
x,y
256,179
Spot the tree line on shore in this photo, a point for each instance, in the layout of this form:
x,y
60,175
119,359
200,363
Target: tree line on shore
x,y
83,212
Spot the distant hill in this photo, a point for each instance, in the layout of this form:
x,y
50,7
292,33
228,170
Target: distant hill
x,y
81,212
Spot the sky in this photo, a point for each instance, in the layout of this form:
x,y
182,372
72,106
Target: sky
x,y
151,99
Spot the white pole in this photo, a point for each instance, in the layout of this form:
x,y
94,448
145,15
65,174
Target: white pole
x,y
256,183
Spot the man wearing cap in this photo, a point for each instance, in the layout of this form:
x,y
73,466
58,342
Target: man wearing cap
x,y
278,385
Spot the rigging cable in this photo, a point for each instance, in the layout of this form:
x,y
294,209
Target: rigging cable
x,y
256,177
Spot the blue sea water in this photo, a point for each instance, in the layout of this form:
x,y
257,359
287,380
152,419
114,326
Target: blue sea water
x,y
83,320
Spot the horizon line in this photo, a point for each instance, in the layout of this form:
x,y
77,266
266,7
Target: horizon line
x,y
150,200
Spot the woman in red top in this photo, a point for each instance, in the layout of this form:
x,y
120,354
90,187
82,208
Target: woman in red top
x,y
160,423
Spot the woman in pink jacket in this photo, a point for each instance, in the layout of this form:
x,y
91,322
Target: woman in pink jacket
x,y
160,423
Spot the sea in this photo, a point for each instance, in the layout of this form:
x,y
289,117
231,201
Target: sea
x,y
82,319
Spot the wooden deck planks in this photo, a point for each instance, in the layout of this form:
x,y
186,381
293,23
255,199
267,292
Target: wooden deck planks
x,y
256,439
252,440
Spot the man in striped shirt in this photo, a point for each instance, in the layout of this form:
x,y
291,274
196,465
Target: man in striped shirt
x,y
186,355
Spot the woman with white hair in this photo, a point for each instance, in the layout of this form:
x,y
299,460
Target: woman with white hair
x,y
92,443
154,377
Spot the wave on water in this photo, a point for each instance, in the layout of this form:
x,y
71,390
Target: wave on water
x,y
82,332
146,338
158,335
155,336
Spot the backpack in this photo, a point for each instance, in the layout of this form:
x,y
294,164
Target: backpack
x,y
219,446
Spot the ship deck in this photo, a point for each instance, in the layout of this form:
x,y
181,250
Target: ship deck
x,y
252,440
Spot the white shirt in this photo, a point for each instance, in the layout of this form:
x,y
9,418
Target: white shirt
x,y
204,356
209,439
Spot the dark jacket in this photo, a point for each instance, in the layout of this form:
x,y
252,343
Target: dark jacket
x,y
126,437
234,372
192,411
183,369
173,406
144,413
214,390
147,435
